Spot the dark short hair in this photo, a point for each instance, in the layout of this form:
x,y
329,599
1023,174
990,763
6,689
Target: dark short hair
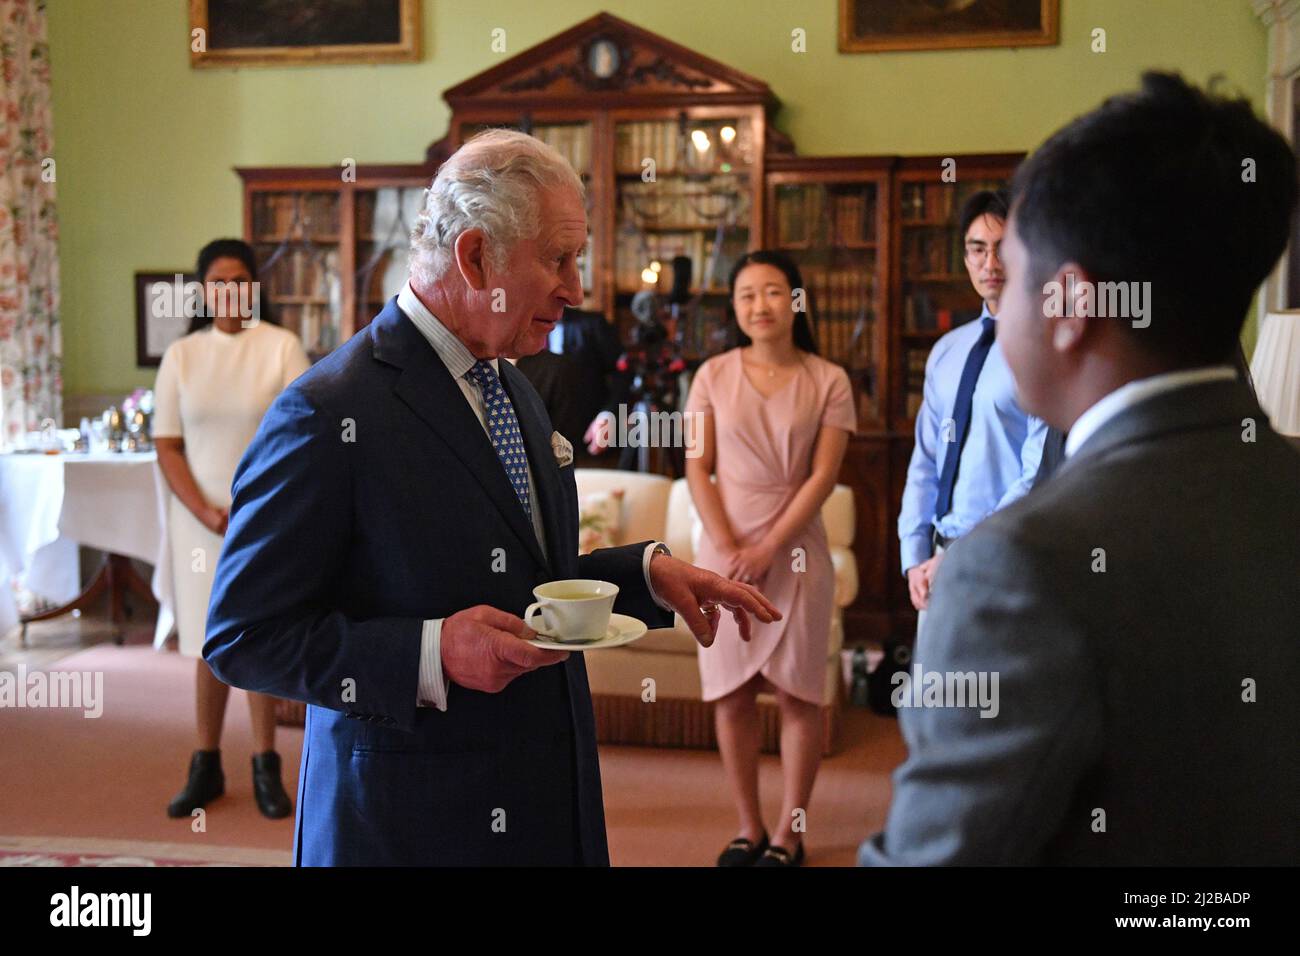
x,y
986,202
802,331
227,249
1152,186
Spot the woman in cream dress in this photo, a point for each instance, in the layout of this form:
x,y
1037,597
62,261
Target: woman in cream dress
x,y
777,420
213,387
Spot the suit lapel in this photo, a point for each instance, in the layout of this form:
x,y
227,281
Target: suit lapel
x,y
427,388
541,459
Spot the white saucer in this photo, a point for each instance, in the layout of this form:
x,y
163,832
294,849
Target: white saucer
x,y
622,630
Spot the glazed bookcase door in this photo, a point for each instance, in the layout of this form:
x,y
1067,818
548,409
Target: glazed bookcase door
x,y
833,226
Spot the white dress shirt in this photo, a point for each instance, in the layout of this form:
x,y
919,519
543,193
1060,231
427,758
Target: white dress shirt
x,y
459,360
1139,390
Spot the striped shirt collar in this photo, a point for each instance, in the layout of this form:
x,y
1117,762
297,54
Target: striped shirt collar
x,y
450,349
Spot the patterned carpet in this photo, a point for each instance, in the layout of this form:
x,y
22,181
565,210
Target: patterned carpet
x,y
90,851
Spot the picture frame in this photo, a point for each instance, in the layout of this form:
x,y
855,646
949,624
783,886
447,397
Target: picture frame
x,y
226,33
154,333
874,26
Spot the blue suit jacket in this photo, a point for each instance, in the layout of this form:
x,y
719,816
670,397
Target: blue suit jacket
x,y
370,500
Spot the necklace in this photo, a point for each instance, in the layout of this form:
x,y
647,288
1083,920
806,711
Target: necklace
x,y
770,369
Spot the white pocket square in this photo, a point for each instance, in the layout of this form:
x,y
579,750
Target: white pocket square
x,y
562,450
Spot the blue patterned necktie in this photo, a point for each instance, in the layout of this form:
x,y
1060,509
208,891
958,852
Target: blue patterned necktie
x,y
503,429
961,414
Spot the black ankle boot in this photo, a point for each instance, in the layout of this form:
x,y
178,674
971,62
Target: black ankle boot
x,y
206,782
267,788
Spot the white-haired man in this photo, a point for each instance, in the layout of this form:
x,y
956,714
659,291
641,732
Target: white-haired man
x,y
390,520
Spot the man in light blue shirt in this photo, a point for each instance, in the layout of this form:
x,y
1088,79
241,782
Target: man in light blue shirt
x,y
976,449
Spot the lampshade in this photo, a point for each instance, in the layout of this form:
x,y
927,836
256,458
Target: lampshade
x,y
1275,367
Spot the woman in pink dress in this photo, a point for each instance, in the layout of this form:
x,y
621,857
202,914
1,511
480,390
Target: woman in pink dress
x,y
776,422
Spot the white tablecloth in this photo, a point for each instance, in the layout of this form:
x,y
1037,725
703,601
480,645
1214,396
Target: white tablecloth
x,y
50,504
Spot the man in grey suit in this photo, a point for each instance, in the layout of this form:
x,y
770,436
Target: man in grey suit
x,y
1132,624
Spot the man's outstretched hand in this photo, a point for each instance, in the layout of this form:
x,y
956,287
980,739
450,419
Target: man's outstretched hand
x,y
697,595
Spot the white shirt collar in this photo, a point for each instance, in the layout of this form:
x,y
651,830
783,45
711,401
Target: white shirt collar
x,y
1139,390
453,352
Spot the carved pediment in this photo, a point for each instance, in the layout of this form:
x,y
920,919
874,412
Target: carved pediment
x,y
606,58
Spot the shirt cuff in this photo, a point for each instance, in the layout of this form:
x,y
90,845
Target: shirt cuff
x,y
433,686
645,569
915,549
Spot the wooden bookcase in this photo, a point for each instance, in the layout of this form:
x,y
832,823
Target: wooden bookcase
x,y
671,146
874,236
831,215
877,239
329,249
931,292
932,289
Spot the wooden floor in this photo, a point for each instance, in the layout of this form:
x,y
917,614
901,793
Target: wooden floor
x,y
69,784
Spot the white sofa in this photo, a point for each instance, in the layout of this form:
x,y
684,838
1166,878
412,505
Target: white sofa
x,y
654,507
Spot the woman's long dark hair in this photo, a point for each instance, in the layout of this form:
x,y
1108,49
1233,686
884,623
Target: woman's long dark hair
x,y
802,331
227,249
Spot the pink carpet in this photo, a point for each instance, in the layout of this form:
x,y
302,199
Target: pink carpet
x,y
78,791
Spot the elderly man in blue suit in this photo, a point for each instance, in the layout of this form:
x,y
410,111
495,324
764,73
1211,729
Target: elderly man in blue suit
x,y
391,518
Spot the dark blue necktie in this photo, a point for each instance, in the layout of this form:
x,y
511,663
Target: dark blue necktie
x,y
503,429
961,412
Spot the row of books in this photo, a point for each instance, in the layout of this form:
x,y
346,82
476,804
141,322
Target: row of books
x,y
672,150
303,272
855,218
929,201
318,326
388,213
921,314
635,252
914,379
675,204
306,214
802,217
932,252
843,313
570,140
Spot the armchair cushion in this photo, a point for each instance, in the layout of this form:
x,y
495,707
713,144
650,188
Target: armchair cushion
x,y
600,519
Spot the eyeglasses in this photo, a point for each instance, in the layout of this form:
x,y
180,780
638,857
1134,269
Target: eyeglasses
x,y
979,251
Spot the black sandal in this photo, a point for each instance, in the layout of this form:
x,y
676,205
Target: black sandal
x,y
743,852
780,856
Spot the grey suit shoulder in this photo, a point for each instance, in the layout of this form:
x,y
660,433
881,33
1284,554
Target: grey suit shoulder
x,y
1157,572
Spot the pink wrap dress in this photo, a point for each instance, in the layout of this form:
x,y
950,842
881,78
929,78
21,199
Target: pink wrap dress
x,y
764,451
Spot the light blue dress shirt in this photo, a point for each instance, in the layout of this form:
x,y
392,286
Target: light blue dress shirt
x,y
1003,448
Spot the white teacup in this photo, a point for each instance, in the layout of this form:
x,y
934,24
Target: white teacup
x,y
576,609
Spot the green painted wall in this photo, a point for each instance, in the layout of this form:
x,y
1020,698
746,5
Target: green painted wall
x,y
145,145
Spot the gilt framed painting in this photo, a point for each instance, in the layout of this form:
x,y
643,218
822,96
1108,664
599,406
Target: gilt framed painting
x,y
305,32
870,26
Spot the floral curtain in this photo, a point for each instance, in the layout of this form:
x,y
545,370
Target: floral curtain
x,y
31,347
